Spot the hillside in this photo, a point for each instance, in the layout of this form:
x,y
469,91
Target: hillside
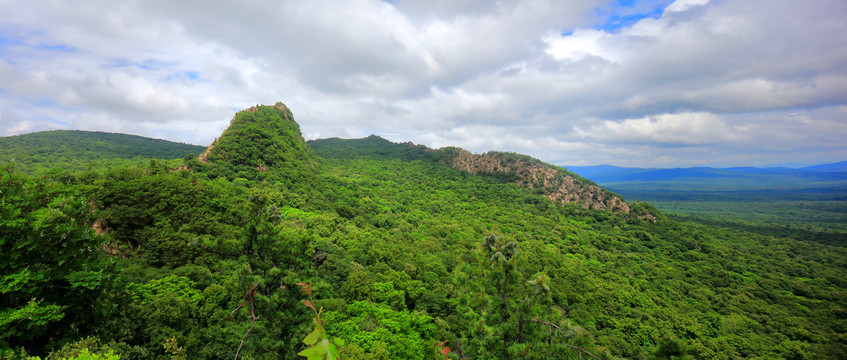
x,y
77,150
372,146
263,138
554,183
385,251
547,180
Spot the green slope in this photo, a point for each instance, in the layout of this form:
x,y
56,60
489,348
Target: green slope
x,y
390,245
373,146
262,137
78,150
553,182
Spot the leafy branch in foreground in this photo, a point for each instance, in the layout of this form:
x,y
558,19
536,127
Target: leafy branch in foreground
x,y
249,297
443,350
320,345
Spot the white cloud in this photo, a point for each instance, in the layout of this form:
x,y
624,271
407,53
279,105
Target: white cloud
x,y
683,5
700,77
682,129
765,94
583,43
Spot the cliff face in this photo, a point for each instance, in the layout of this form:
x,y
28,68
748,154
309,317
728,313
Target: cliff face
x,y
550,181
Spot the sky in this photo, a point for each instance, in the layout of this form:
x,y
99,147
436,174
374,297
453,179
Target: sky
x,y
653,83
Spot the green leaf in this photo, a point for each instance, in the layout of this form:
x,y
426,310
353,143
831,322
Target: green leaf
x,y
14,282
313,353
313,337
324,345
86,279
333,352
32,315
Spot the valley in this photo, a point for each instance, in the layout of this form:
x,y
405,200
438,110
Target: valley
x,y
804,203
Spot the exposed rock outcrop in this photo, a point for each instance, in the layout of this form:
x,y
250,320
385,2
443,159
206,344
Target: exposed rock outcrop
x,y
548,180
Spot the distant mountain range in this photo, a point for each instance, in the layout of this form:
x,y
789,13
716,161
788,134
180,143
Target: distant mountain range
x,y
840,166
715,179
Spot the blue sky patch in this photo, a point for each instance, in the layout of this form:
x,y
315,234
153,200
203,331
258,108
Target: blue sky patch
x,y
45,102
151,64
5,42
184,75
148,64
119,63
616,22
5,47
627,12
58,47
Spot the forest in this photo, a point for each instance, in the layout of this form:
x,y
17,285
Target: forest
x,y
268,247
807,203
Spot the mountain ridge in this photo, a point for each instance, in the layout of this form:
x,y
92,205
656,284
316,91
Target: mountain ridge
x,y
403,245
80,149
556,184
547,180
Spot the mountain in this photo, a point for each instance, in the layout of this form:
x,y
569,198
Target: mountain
x,y
371,146
263,138
544,179
77,150
382,250
840,167
552,182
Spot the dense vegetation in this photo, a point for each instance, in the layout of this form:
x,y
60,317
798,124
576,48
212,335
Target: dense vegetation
x,y
261,137
75,150
800,214
381,252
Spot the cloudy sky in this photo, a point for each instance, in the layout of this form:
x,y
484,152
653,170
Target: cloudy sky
x,y
658,83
